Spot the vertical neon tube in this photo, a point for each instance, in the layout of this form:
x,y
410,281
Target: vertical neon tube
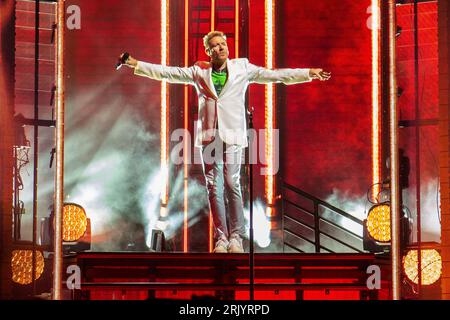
x,y
376,109
186,128
394,161
269,105
164,112
211,224
213,14
59,139
236,29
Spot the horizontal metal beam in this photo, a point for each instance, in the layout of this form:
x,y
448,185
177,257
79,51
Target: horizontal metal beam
x,y
420,123
220,286
400,2
39,122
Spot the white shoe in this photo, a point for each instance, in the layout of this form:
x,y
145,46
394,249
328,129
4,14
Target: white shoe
x,y
221,246
235,245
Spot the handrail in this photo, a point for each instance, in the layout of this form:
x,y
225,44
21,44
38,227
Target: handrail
x,y
322,218
321,202
342,242
299,236
316,220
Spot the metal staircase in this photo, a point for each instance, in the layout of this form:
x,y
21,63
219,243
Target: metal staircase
x,y
311,225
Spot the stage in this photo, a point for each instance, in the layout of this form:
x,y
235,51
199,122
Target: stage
x,y
139,145
144,275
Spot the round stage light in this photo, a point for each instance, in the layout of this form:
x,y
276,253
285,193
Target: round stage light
x,y
22,266
379,223
74,222
431,266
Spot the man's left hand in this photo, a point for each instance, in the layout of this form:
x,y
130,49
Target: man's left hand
x,y
319,74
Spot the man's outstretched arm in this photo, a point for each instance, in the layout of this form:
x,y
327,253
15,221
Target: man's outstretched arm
x,y
287,76
160,72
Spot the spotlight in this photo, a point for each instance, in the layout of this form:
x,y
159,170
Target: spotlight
x,y
398,32
157,240
378,223
76,228
76,233
74,222
22,266
377,229
431,265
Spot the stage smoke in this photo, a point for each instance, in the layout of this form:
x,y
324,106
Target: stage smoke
x,y
354,205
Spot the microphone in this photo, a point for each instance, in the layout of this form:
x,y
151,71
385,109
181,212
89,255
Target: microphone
x,y
122,60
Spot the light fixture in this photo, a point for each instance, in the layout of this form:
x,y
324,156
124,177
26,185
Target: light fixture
x,y
22,266
431,265
377,228
76,229
376,94
74,222
378,223
157,243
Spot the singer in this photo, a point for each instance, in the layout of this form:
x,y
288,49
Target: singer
x,y
221,84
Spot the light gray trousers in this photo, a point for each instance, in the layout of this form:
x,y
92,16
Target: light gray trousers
x,y
221,167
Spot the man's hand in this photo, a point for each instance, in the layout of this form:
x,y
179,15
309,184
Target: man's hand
x,y
130,62
319,74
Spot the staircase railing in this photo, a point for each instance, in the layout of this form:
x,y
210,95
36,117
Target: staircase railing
x,y
313,225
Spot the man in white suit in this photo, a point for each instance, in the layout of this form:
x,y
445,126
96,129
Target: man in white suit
x,y
221,130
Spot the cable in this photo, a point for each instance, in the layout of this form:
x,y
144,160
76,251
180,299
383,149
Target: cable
x,y
377,197
408,212
369,191
22,159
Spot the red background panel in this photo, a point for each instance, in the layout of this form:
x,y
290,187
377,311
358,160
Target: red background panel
x,y
112,117
326,126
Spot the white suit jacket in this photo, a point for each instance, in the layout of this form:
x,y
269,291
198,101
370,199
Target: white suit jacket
x,y
225,112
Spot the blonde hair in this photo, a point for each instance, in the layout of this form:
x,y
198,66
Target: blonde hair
x,y
211,35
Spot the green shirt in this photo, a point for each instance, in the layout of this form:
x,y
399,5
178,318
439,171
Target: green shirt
x,y
219,78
